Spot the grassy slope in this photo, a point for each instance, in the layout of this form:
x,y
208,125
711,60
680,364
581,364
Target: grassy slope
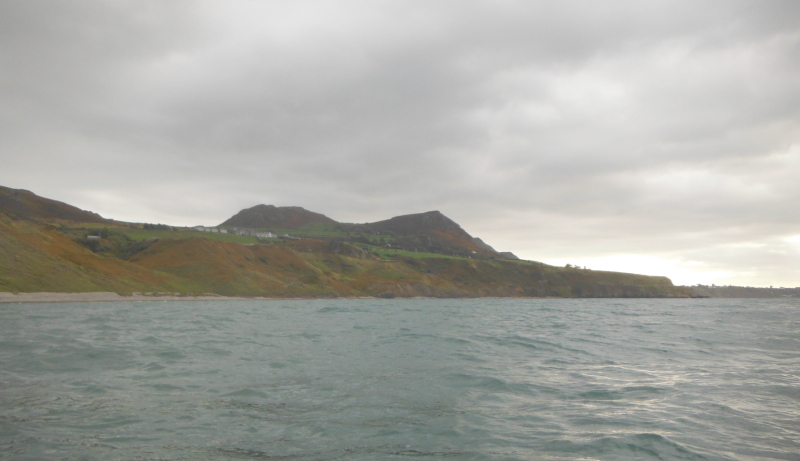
x,y
138,233
142,234
315,230
36,257
311,268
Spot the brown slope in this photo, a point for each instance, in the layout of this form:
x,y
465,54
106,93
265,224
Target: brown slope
x,y
302,268
270,216
310,267
36,257
233,269
27,205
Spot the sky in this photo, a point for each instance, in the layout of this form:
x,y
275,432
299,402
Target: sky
x,y
658,137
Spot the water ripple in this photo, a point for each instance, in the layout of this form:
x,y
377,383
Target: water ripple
x,y
397,379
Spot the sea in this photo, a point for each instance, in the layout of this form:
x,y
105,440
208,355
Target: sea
x,y
374,379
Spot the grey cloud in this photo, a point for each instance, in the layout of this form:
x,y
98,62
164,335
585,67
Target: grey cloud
x,y
628,126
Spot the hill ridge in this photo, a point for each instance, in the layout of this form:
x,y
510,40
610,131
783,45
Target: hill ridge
x,y
22,203
285,217
424,254
425,221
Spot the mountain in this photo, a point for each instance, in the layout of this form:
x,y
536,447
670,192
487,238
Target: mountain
x,y
24,204
36,257
425,254
432,232
270,216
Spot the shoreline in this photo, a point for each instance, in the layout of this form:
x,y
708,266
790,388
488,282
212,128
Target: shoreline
x,y
108,296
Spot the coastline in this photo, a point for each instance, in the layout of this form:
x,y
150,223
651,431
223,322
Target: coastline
x,y
106,296
109,296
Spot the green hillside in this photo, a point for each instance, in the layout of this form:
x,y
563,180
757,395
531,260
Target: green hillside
x,y
39,257
409,256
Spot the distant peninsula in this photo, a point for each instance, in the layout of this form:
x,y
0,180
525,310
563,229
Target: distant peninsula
x,y
279,252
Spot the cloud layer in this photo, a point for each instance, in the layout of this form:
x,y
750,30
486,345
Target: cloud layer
x,y
638,136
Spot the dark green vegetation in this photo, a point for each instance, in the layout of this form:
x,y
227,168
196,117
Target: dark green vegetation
x,y
50,246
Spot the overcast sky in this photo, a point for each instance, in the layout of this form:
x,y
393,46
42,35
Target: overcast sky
x,y
650,137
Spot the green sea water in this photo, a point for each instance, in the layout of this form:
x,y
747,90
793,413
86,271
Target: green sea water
x,y
480,379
